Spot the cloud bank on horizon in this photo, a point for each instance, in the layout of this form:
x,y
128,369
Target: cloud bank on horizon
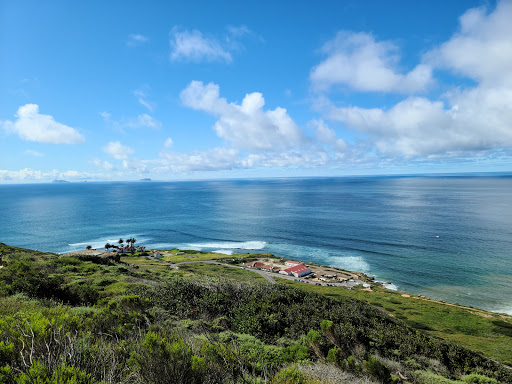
x,y
367,107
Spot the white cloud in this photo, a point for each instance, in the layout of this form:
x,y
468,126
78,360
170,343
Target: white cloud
x,y
33,126
478,119
482,48
307,159
326,135
136,39
106,116
117,150
143,121
194,46
247,125
103,165
33,153
28,174
168,142
464,122
360,62
142,99
211,160
139,166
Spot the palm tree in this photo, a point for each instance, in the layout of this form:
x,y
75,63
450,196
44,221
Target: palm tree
x,y
134,240
108,246
88,247
120,242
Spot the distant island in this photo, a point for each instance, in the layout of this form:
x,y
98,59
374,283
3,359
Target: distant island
x,y
60,181
147,179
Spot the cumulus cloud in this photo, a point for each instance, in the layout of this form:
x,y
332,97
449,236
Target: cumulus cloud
x,y
478,119
247,125
482,48
194,46
30,125
358,61
327,136
464,121
117,150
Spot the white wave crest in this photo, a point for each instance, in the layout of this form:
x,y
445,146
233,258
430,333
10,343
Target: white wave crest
x,y
351,263
223,251
100,243
390,286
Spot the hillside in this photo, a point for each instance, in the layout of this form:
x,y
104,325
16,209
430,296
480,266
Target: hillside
x,y
91,319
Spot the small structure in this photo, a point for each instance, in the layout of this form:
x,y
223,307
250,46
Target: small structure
x,y
292,263
266,267
297,271
157,255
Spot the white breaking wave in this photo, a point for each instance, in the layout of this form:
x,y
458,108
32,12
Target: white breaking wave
x,y
351,263
223,251
100,243
507,310
231,245
390,286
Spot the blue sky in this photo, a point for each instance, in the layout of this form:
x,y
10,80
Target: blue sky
x,y
124,90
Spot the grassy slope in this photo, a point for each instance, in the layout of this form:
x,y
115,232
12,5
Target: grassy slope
x,y
478,330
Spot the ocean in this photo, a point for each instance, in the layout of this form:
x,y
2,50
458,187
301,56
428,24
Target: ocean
x,y
448,238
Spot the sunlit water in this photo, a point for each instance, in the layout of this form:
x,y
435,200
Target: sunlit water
x,y
446,237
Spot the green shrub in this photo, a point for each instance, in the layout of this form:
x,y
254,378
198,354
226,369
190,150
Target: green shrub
x,y
426,377
377,369
475,378
289,375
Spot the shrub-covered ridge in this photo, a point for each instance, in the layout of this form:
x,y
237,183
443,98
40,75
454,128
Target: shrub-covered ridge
x,y
64,320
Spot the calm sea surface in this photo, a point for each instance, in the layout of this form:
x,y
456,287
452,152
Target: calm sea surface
x,y
446,237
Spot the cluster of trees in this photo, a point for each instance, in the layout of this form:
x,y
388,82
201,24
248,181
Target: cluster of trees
x,y
185,331
129,244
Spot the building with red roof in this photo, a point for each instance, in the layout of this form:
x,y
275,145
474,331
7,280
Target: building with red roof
x,y
297,271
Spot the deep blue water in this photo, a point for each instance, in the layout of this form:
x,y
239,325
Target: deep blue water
x,y
445,237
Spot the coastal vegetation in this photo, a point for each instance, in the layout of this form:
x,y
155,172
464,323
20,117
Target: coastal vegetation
x,y
92,319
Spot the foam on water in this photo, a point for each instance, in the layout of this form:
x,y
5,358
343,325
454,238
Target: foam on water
x,y
391,286
351,263
223,251
506,309
100,242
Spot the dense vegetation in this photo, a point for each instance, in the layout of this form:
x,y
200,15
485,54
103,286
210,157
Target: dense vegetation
x,y
89,319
